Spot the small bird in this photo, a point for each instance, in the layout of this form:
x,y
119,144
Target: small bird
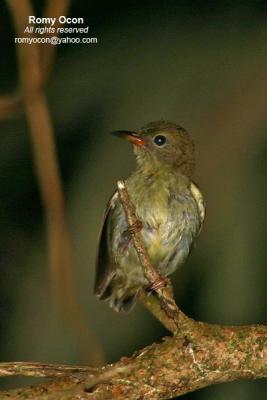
x,y
168,205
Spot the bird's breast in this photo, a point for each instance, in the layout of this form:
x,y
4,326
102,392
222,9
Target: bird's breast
x,y
150,199
169,215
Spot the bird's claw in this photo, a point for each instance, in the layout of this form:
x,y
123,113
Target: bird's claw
x,y
127,234
159,284
135,227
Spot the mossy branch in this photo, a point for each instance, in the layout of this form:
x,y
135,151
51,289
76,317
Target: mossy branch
x,y
211,354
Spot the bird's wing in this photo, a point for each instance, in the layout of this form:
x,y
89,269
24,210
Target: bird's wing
x,y
105,267
199,201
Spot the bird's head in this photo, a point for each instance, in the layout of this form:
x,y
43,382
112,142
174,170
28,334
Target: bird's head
x,y
162,145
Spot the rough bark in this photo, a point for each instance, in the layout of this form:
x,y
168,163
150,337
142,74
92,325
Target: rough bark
x,y
209,354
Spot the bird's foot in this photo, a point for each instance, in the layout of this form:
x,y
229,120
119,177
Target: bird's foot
x,y
136,227
127,234
159,283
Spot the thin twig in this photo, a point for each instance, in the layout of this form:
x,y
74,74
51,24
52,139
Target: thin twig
x,y
107,374
41,369
152,303
173,316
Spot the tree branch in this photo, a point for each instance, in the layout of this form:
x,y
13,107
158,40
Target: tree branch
x,y
41,370
211,354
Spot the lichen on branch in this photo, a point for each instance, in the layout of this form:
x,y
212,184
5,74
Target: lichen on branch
x,y
211,354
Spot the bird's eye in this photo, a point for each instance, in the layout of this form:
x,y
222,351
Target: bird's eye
x,y
159,140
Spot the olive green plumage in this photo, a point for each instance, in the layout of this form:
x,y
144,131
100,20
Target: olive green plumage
x,y
167,202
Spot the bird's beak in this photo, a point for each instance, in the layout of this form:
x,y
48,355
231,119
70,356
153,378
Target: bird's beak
x,y
132,137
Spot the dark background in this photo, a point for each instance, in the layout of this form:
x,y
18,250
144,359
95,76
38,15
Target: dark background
x,y
200,64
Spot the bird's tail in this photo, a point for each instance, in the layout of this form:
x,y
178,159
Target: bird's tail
x,y
124,303
119,297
